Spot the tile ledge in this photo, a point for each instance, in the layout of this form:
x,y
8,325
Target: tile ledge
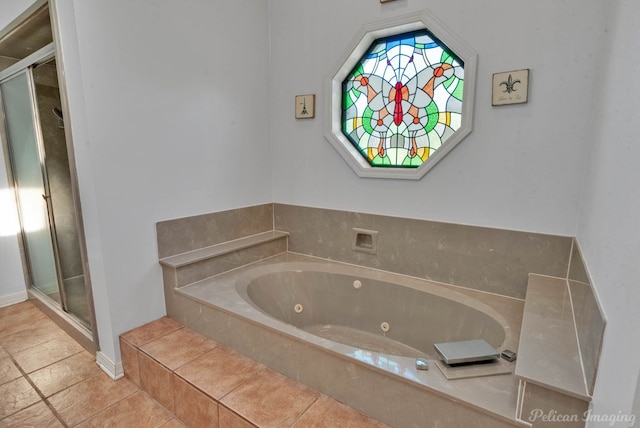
x,y
195,256
548,353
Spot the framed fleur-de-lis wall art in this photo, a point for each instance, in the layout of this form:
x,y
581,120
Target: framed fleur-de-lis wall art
x,y
510,87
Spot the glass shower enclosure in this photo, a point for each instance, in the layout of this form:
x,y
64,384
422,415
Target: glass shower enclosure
x,y
40,169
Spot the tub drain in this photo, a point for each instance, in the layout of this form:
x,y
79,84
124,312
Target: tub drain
x,y
357,284
298,308
385,327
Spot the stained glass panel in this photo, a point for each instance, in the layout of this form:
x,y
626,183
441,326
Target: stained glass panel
x,y
403,99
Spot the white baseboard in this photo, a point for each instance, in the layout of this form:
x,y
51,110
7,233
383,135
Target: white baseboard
x,y
113,370
14,298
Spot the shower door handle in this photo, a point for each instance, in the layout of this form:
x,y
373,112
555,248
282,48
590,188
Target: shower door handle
x,y
56,251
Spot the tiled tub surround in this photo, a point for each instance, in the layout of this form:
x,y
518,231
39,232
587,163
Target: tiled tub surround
x,y
187,234
493,260
553,378
483,259
589,321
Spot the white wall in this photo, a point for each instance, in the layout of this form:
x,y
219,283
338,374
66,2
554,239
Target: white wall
x,y
609,225
175,112
521,168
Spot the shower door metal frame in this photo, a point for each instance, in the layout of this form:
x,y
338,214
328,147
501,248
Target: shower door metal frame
x,y
48,54
88,337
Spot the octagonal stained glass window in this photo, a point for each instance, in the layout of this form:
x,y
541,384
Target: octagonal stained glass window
x,y
401,98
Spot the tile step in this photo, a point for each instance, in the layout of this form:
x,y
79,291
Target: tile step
x,y
155,344
201,254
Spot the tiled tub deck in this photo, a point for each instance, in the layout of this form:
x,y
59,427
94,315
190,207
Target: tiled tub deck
x,y
207,384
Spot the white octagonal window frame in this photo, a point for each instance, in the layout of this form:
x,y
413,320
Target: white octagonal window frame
x,y
353,54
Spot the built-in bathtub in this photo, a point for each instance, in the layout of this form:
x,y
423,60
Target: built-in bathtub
x,y
354,333
362,308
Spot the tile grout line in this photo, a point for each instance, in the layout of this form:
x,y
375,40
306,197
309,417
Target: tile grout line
x,y
40,394
235,413
11,356
188,382
25,375
139,346
219,401
45,399
102,409
306,409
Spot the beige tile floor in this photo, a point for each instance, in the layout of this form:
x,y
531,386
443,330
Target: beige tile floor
x,y
48,380
174,378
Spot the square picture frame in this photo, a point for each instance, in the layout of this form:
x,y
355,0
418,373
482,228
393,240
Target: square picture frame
x,y
305,106
510,87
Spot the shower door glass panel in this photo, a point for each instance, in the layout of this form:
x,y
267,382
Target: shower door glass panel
x,y
62,215
17,99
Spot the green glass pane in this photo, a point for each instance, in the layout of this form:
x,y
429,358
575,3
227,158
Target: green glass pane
x,y
366,120
457,93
